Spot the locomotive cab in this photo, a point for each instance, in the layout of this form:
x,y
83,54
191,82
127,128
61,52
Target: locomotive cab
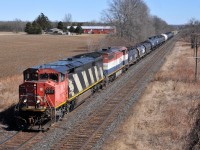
x,y
42,88
42,91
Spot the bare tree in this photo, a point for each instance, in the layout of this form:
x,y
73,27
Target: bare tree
x,y
18,25
14,26
67,20
192,27
117,14
131,19
160,25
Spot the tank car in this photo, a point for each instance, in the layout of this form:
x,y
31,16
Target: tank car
x,y
165,36
169,35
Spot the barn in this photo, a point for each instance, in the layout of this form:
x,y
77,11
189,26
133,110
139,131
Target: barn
x,y
97,29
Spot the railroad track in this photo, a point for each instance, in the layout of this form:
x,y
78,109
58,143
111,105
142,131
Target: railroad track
x,y
21,140
87,133
5,134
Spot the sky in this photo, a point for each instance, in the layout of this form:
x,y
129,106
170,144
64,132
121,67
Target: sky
x,y
172,11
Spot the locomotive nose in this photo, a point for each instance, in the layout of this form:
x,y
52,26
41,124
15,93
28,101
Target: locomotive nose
x,y
31,94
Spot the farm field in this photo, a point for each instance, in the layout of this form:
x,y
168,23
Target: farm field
x,y
20,51
166,113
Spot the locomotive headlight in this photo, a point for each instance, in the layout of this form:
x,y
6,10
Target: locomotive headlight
x,y
38,101
25,100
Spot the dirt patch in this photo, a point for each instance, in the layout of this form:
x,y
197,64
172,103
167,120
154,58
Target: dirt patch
x,y
164,116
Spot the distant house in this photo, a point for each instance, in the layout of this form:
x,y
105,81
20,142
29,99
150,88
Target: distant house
x,y
97,29
56,31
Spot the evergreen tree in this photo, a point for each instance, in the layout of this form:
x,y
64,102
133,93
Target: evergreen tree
x,y
33,28
27,28
36,28
43,22
60,25
71,29
79,29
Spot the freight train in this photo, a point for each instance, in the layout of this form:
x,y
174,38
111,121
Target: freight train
x,y
51,90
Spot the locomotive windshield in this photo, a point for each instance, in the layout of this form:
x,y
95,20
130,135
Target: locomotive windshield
x,y
44,76
31,76
51,76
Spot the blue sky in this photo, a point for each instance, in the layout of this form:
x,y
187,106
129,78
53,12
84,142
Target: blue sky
x,y
175,11
172,11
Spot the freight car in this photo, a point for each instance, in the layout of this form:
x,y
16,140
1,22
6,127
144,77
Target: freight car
x,y
169,34
50,90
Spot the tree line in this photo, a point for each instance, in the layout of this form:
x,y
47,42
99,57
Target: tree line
x,y
12,26
133,20
193,26
42,23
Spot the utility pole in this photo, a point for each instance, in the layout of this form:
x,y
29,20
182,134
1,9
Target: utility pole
x,y
196,55
195,45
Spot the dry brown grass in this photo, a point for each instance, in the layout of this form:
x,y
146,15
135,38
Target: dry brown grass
x,y
9,91
18,52
163,117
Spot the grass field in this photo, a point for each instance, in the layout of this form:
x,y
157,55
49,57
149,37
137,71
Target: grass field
x,y
20,51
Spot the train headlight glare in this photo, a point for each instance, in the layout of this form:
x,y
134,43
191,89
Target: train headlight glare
x,y
25,100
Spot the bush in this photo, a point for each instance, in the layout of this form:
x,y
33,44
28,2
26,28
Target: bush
x,y
60,25
79,30
33,28
71,29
